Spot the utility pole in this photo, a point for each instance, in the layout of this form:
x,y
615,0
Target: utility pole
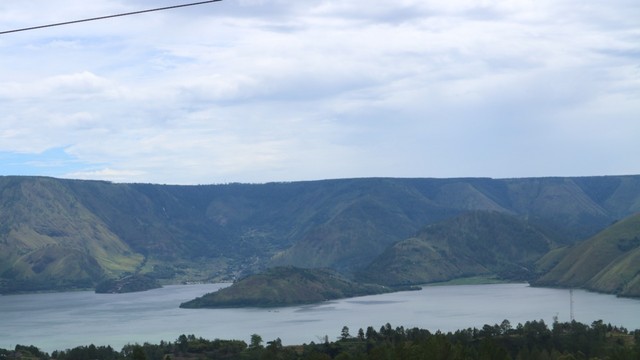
x,y
571,304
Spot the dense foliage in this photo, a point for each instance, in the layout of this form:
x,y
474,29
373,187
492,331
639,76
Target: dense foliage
x,y
532,340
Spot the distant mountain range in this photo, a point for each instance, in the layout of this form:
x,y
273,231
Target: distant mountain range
x,y
64,234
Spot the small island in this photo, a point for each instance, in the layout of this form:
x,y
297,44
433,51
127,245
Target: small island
x,y
127,284
287,286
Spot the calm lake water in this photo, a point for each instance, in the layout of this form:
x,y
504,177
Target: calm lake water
x,y
60,321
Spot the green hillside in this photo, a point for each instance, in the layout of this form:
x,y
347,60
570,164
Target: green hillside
x,y
472,244
61,234
285,286
49,240
607,262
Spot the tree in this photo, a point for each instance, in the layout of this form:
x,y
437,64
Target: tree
x,y
183,343
344,334
274,345
256,342
371,333
138,353
505,327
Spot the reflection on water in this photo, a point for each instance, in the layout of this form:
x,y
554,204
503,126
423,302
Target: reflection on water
x,y
65,320
372,302
315,308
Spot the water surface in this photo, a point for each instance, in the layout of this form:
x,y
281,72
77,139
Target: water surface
x,y
59,321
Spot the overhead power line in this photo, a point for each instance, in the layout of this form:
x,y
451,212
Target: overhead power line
x,y
107,17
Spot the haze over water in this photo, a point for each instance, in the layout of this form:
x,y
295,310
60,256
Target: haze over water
x,y
58,321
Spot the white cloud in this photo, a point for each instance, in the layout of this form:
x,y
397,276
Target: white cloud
x,y
272,90
72,86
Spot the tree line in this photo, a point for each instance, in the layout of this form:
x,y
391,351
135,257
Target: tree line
x,y
532,340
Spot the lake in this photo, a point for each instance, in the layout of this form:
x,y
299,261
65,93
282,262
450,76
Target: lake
x,y
58,321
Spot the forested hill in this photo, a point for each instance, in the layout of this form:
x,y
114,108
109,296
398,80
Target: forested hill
x,y
286,286
57,234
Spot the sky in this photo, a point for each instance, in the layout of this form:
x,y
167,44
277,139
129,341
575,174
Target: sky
x,y
257,91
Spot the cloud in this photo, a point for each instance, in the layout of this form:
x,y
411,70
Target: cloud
x,y
272,90
73,86
108,173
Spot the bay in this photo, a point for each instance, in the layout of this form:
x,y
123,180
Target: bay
x,y
58,321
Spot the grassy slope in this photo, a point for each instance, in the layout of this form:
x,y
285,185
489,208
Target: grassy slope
x,y
608,261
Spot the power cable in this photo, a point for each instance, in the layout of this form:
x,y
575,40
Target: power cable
x,y
107,17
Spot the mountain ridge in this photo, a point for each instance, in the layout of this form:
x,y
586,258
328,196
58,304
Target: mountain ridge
x,y
61,234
